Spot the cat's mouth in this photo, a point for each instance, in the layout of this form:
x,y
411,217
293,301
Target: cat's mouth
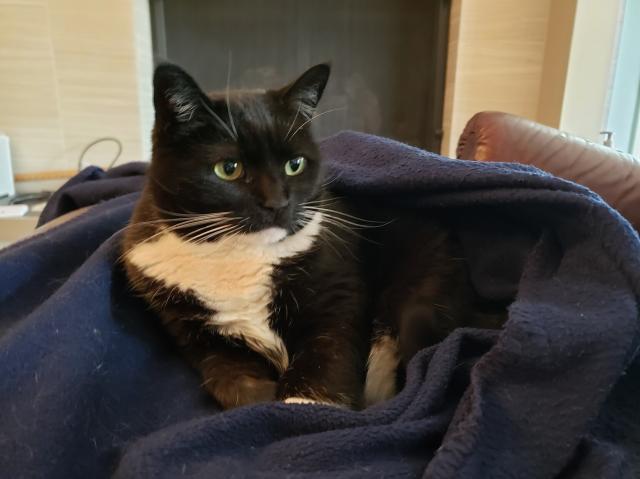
x,y
270,222
271,235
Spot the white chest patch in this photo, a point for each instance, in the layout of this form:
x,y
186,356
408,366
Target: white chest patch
x,y
232,276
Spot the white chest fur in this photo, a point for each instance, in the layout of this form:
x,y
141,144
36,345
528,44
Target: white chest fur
x,y
232,276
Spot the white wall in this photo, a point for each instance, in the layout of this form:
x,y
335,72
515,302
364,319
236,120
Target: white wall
x,y
591,60
624,114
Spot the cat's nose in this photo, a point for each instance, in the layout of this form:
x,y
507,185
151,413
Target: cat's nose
x,y
271,194
275,203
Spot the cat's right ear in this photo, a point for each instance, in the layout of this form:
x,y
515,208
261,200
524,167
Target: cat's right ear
x,y
305,92
177,98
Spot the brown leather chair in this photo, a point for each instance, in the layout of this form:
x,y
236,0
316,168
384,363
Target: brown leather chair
x,y
615,176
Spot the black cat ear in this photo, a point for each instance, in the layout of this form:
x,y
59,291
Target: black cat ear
x,y
176,96
306,91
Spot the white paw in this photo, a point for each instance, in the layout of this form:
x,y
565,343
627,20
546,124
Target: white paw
x,y
297,400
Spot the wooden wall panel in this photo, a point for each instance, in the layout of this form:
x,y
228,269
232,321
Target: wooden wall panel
x,y
496,58
556,61
72,72
29,111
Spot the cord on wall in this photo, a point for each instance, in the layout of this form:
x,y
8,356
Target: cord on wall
x,y
97,141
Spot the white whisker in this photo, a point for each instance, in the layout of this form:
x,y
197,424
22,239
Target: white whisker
x,y
218,119
327,242
343,224
207,231
206,235
184,223
211,234
331,221
207,226
323,201
350,219
292,123
233,125
172,213
313,118
327,183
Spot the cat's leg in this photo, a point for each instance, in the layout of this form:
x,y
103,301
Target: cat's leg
x,y
327,366
328,335
382,367
237,376
422,293
425,291
231,372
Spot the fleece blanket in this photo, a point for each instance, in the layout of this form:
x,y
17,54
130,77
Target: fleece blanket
x,y
91,387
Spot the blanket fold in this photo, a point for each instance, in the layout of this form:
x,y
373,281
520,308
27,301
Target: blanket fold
x,y
92,387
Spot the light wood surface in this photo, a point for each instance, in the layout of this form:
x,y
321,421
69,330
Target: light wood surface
x,y
45,175
14,229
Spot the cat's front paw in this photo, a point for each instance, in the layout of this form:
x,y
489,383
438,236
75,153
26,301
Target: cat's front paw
x,y
298,400
242,391
303,400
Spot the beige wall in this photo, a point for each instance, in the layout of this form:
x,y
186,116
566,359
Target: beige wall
x,y
72,71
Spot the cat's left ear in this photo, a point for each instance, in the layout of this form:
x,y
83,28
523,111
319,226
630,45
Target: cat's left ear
x,y
306,91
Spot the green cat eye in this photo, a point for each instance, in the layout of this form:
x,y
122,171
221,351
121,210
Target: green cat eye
x,y
295,166
228,170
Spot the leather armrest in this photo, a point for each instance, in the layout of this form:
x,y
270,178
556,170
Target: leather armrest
x,y
496,136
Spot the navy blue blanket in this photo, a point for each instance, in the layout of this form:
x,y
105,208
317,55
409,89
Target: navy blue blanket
x,y
91,387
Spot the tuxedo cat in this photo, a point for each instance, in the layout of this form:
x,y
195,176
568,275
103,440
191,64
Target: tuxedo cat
x,y
268,283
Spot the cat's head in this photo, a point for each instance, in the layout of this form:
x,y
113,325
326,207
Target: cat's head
x,y
249,154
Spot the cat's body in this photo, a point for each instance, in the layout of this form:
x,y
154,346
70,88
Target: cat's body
x,y
259,317
262,276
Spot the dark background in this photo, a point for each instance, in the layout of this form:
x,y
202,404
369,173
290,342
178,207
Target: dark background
x,y
388,56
